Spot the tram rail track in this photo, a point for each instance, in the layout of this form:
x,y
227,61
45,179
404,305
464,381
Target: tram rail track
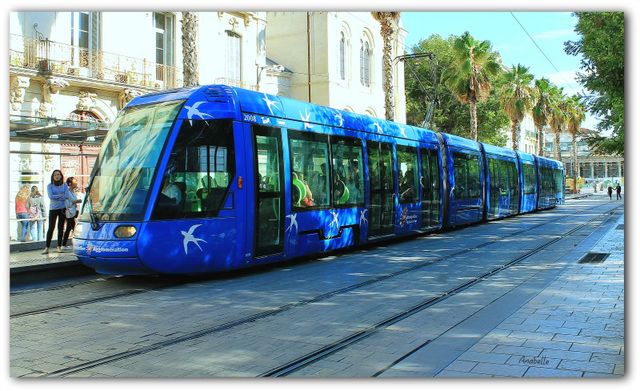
x,y
319,354
166,285
327,350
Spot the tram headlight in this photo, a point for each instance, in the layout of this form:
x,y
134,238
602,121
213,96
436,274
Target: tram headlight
x,y
124,231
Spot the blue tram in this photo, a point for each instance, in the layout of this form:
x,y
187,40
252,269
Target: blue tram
x,y
213,178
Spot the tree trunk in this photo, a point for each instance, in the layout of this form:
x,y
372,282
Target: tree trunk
x,y
540,141
189,48
574,156
557,143
474,120
386,30
515,135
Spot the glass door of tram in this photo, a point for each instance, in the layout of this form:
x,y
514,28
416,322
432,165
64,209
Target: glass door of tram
x,y
381,189
269,189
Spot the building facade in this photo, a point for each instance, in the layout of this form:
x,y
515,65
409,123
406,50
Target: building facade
x,y
593,168
335,59
528,136
71,72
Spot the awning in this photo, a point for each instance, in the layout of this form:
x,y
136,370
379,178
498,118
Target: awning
x,y
57,131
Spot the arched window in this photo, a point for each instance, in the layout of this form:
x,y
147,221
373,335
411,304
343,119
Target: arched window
x,y
342,55
365,64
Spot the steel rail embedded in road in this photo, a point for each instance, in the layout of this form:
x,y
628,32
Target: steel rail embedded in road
x,y
319,354
345,342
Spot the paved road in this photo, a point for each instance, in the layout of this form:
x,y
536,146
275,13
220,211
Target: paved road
x,y
249,323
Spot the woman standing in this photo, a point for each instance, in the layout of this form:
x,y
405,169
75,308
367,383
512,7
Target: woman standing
x,y
57,192
72,211
22,214
35,205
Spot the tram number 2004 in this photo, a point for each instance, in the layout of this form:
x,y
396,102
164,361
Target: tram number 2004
x,y
250,118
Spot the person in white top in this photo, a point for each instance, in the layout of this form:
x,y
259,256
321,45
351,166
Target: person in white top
x,y
71,210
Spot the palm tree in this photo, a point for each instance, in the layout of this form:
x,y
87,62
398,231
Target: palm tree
x,y
388,21
541,109
559,116
468,77
189,48
516,99
576,114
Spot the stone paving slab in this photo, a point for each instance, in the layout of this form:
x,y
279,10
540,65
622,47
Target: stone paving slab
x,y
574,328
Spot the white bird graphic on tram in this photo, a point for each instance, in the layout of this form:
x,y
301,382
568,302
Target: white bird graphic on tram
x,y
189,238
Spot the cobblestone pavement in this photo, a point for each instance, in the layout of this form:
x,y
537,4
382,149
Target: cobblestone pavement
x,y
573,328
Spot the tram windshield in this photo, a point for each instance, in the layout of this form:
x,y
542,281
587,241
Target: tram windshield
x,y
127,161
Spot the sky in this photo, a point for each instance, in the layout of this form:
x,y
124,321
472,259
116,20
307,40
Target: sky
x,y
549,30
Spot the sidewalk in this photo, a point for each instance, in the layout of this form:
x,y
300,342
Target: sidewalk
x,y
573,328
22,261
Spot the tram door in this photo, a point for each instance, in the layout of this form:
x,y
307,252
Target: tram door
x,y
381,189
430,180
269,207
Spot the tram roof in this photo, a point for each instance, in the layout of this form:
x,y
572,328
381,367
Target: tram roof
x,y
498,151
239,101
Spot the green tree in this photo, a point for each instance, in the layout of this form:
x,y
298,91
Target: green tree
x,y
450,115
559,116
576,114
516,99
541,109
602,49
469,76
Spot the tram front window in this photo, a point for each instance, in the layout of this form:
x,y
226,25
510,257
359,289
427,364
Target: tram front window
x,y
124,169
199,173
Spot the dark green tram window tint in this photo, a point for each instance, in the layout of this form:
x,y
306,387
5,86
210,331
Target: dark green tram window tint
x,y
310,176
547,181
460,174
514,197
494,187
347,166
504,179
466,169
200,171
559,180
269,210
430,181
381,188
407,174
529,174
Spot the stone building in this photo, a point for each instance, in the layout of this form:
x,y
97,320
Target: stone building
x,y
335,59
591,166
72,72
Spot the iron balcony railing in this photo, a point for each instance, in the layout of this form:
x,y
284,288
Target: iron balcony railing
x,y
62,59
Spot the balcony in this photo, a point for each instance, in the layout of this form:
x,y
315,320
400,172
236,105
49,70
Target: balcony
x,y
60,59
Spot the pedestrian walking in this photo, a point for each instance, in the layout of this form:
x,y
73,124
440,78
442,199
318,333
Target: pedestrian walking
x,y
610,191
57,192
22,214
618,192
71,211
35,205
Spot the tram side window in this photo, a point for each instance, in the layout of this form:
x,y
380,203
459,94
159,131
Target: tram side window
x,y
529,174
347,166
513,174
466,169
504,179
559,180
407,174
200,171
310,176
546,180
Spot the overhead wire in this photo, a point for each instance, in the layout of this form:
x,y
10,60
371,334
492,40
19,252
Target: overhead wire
x,y
543,53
